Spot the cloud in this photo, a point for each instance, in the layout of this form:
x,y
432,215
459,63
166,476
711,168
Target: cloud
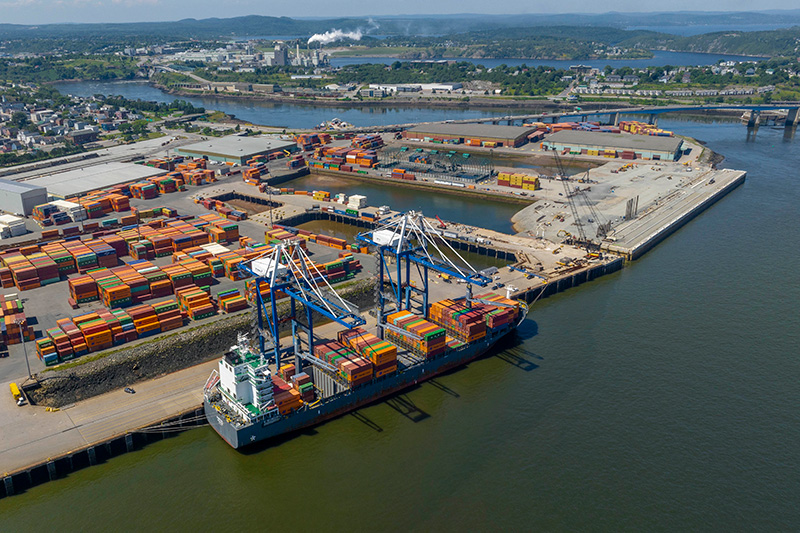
x,y
17,3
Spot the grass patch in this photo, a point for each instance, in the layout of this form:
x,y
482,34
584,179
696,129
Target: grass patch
x,y
216,116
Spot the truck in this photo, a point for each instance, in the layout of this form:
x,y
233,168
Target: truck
x,y
19,397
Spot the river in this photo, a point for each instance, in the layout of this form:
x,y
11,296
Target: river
x,y
660,398
299,116
279,114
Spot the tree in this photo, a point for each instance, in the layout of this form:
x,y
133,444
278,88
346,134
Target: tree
x,y
20,120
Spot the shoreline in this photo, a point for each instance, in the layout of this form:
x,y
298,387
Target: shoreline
x,y
534,105
445,103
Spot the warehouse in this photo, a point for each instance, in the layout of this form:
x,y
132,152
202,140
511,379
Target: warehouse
x,y
622,145
236,149
20,198
488,135
82,180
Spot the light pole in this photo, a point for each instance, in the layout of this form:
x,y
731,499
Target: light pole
x,y
24,348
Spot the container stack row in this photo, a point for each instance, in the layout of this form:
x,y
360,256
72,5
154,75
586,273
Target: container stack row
x,y
403,174
352,368
196,302
286,398
343,159
231,301
643,128
466,324
278,235
309,141
14,322
382,354
367,142
100,330
428,339
519,180
302,383
137,281
165,163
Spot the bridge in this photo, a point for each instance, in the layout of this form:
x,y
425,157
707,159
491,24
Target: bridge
x,y
791,121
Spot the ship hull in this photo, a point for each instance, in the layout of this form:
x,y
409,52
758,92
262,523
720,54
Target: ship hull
x,y
241,436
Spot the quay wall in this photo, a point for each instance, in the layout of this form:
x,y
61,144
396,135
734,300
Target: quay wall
x,y
62,465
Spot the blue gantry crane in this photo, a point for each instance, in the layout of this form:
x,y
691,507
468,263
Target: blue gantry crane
x,y
409,240
287,269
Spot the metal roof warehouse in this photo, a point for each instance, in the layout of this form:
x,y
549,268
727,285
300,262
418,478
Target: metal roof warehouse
x,y
20,198
645,146
82,180
235,148
503,135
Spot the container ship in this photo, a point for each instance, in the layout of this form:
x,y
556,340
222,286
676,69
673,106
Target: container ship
x,y
255,395
248,401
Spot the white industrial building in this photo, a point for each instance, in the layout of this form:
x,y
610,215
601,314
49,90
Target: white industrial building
x,y
21,197
79,181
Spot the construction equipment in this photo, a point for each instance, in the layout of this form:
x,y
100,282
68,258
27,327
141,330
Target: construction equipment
x,y
603,226
442,225
17,393
562,175
528,274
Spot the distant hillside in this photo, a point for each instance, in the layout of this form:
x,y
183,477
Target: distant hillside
x,y
759,43
181,29
497,34
387,25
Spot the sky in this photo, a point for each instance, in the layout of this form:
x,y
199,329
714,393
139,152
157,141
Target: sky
x,y
55,11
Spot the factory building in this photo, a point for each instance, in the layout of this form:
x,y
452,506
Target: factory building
x,y
235,149
20,198
612,145
488,135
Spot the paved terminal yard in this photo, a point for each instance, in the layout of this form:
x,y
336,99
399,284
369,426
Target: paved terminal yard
x,y
660,194
667,193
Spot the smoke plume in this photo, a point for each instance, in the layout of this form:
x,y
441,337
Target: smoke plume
x,y
337,35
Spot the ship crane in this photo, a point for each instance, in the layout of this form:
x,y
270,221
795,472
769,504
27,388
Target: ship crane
x,y
412,240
